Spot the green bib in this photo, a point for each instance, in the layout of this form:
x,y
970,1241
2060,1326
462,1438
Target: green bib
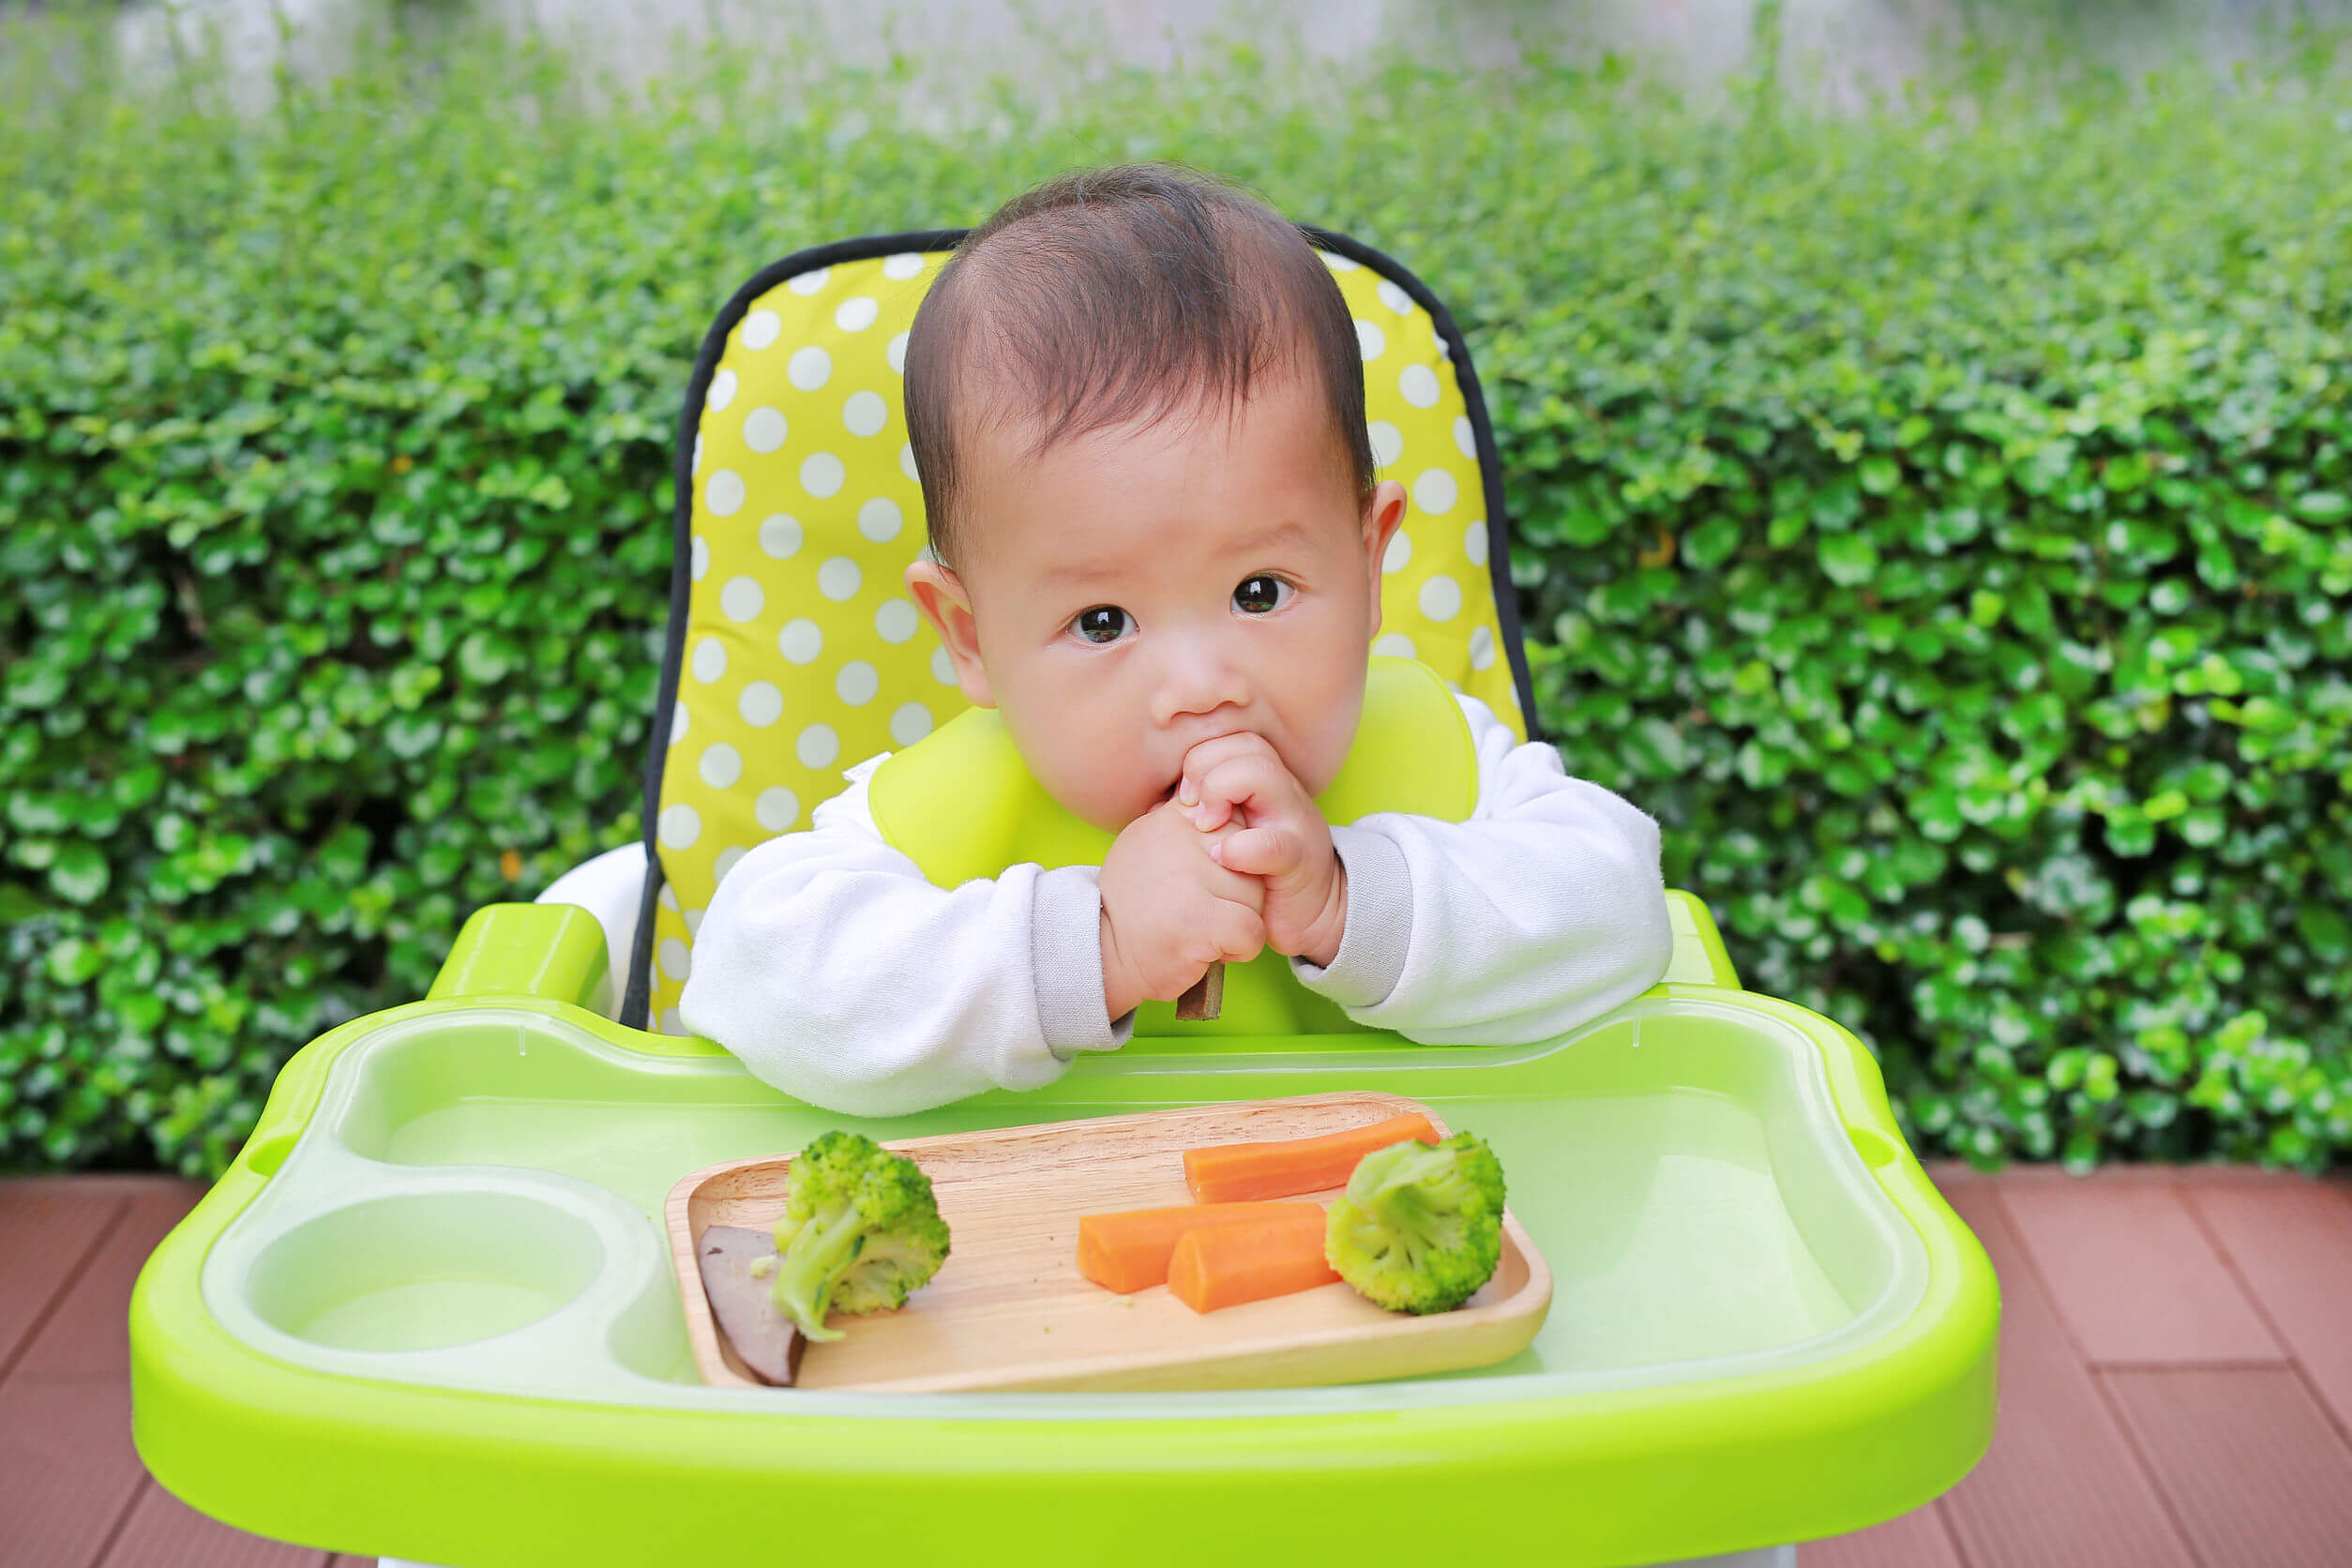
x,y
962,803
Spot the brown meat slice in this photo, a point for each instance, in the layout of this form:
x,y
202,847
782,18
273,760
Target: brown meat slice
x,y
768,1342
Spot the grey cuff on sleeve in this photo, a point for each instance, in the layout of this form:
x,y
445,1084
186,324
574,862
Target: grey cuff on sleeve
x,y
1371,956
1065,928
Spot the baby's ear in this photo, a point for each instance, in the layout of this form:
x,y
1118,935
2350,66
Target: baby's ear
x,y
944,601
1383,515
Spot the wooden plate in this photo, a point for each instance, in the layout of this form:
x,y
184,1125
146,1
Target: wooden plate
x,y
1009,1310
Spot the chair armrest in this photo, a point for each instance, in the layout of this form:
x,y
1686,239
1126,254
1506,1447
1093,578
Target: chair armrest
x,y
552,951
1700,958
607,887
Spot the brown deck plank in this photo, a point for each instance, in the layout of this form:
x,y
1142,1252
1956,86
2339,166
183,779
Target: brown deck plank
x,y
1918,1539
2061,1487
87,1335
68,1470
2131,1273
2291,1241
164,1533
2255,1473
48,1229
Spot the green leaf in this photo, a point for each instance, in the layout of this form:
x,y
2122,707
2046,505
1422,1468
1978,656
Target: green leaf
x,y
2323,506
1848,559
80,872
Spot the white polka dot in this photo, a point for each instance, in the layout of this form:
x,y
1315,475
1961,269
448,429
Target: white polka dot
x,y
865,414
722,391
822,476
880,519
1434,491
779,536
710,661
681,826
1400,549
810,368
857,683
697,452
761,704
818,745
809,282
721,765
1370,340
838,579
905,264
1465,439
1474,542
1393,644
1418,385
1388,441
679,723
1394,297
761,328
906,466
1482,648
897,354
895,621
667,897
1339,263
763,429
800,642
674,963
855,314
699,560
943,668
1441,598
910,723
741,599
778,809
723,494
693,919
724,863
669,1024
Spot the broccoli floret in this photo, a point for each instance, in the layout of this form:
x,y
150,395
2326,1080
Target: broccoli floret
x,y
1420,1229
859,1230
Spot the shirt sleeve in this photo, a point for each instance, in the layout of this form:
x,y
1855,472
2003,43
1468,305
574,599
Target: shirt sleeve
x,y
1541,912
836,973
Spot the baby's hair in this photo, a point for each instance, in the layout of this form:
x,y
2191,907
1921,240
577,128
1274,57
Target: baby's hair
x,y
1115,296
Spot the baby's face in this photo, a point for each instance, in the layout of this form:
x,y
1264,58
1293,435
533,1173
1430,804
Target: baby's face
x,y
1133,593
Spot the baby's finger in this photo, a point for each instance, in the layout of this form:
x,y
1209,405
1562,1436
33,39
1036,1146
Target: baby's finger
x,y
1201,759
1260,852
1256,785
1239,933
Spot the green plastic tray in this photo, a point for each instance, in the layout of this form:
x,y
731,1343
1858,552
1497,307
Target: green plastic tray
x,y
430,1313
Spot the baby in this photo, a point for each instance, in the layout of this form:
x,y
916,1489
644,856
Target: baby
x,y
1136,401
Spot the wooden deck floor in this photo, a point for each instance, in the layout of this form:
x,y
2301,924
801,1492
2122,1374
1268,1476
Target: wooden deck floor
x,y
2175,1381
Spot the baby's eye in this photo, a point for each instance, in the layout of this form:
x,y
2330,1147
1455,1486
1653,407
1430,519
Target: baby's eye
x,y
1105,623
1261,594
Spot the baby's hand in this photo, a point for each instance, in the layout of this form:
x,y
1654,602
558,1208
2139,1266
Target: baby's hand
x,y
1169,911
1283,841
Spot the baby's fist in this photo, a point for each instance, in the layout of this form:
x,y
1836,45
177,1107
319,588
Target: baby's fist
x,y
1283,841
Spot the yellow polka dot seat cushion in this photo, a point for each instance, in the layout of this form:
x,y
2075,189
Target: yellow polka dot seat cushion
x,y
793,651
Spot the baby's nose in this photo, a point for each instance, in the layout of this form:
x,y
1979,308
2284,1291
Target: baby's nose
x,y
1197,678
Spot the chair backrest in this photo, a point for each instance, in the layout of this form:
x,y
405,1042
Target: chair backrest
x,y
793,651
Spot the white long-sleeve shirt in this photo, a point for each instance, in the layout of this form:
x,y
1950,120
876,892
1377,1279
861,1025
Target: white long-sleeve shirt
x,y
836,973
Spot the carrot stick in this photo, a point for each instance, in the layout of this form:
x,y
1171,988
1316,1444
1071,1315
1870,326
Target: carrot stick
x,y
1240,1172
1128,1251
1236,1264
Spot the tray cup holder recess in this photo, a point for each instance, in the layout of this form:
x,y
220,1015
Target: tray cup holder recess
x,y
422,1270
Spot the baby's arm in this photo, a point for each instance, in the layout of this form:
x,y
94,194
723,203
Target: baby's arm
x,y
839,974
1542,911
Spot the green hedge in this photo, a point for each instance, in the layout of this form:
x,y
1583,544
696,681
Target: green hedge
x,y
1937,518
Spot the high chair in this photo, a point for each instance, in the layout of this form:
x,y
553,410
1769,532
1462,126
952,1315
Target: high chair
x,y
430,1310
